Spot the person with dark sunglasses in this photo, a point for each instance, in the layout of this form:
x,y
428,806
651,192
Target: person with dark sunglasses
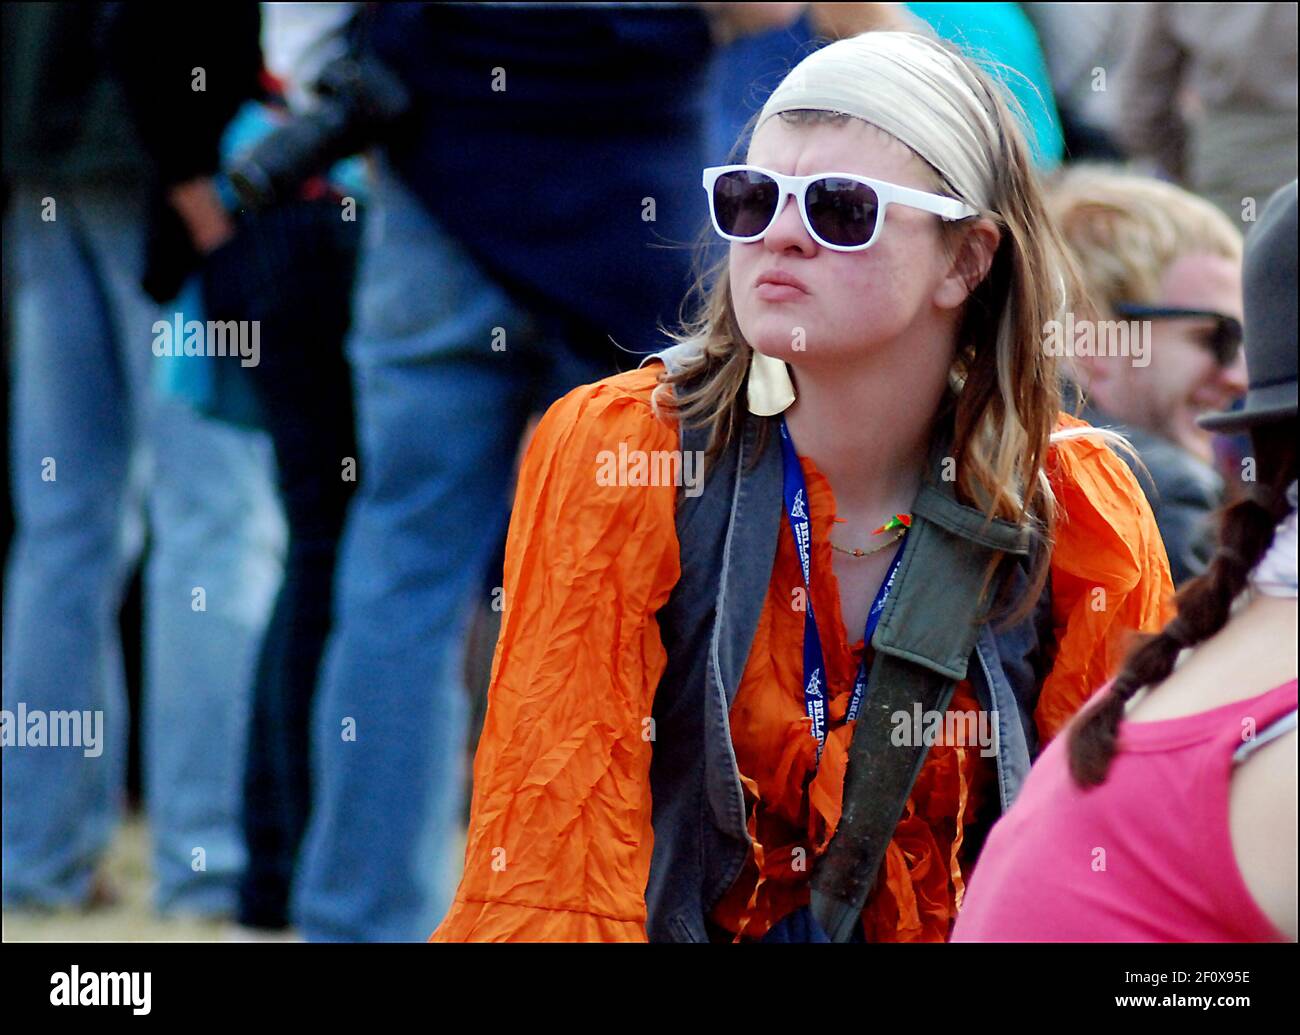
x,y
1168,264
1218,332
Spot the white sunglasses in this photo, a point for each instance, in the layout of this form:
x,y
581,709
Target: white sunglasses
x,y
841,211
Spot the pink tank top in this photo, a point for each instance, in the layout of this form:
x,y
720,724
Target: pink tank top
x,y
1145,857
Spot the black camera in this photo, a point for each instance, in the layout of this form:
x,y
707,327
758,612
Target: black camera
x,y
360,100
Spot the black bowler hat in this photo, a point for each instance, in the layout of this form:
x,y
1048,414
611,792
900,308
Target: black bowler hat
x,y
1269,286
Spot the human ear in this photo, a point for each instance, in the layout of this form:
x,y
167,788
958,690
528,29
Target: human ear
x,y
971,263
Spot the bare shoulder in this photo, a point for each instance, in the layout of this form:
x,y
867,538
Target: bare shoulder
x,y
1253,653
1262,819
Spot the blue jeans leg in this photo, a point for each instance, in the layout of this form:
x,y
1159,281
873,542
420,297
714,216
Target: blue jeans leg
x,y
439,414
79,363
82,397
214,569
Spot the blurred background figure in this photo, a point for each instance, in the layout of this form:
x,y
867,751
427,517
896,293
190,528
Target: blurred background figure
x,y
291,267
1209,94
1082,44
1152,252
109,146
745,69
1002,39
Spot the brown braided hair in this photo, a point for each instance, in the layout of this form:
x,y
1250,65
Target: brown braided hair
x,y
1204,604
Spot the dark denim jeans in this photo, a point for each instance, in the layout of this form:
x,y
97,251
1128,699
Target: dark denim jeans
x,y
801,927
291,269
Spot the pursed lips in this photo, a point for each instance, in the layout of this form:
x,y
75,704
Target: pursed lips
x,y
778,285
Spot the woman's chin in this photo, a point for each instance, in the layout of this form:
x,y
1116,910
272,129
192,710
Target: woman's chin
x,y
779,340
794,347
776,349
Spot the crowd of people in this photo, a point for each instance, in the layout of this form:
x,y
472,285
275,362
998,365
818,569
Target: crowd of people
x,y
332,607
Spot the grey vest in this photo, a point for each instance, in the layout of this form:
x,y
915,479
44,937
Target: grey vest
x,y
728,536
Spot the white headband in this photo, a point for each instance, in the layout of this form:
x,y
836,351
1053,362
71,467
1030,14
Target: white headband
x,y
911,87
917,91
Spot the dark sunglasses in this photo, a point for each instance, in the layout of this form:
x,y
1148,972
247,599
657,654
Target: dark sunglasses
x,y
840,211
1224,341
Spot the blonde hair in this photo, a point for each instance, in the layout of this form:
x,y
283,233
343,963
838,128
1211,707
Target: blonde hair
x,y
1126,230
1004,391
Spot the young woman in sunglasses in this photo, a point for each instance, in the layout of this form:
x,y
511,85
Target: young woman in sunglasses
x,y
674,696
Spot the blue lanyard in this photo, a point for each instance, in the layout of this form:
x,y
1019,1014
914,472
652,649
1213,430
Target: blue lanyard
x,y
814,667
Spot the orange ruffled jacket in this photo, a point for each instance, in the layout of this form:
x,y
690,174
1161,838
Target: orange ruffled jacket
x,y
560,836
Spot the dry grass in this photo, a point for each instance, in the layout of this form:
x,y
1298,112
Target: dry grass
x,y
132,918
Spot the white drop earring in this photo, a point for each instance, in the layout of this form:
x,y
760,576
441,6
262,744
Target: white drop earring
x,y
770,388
